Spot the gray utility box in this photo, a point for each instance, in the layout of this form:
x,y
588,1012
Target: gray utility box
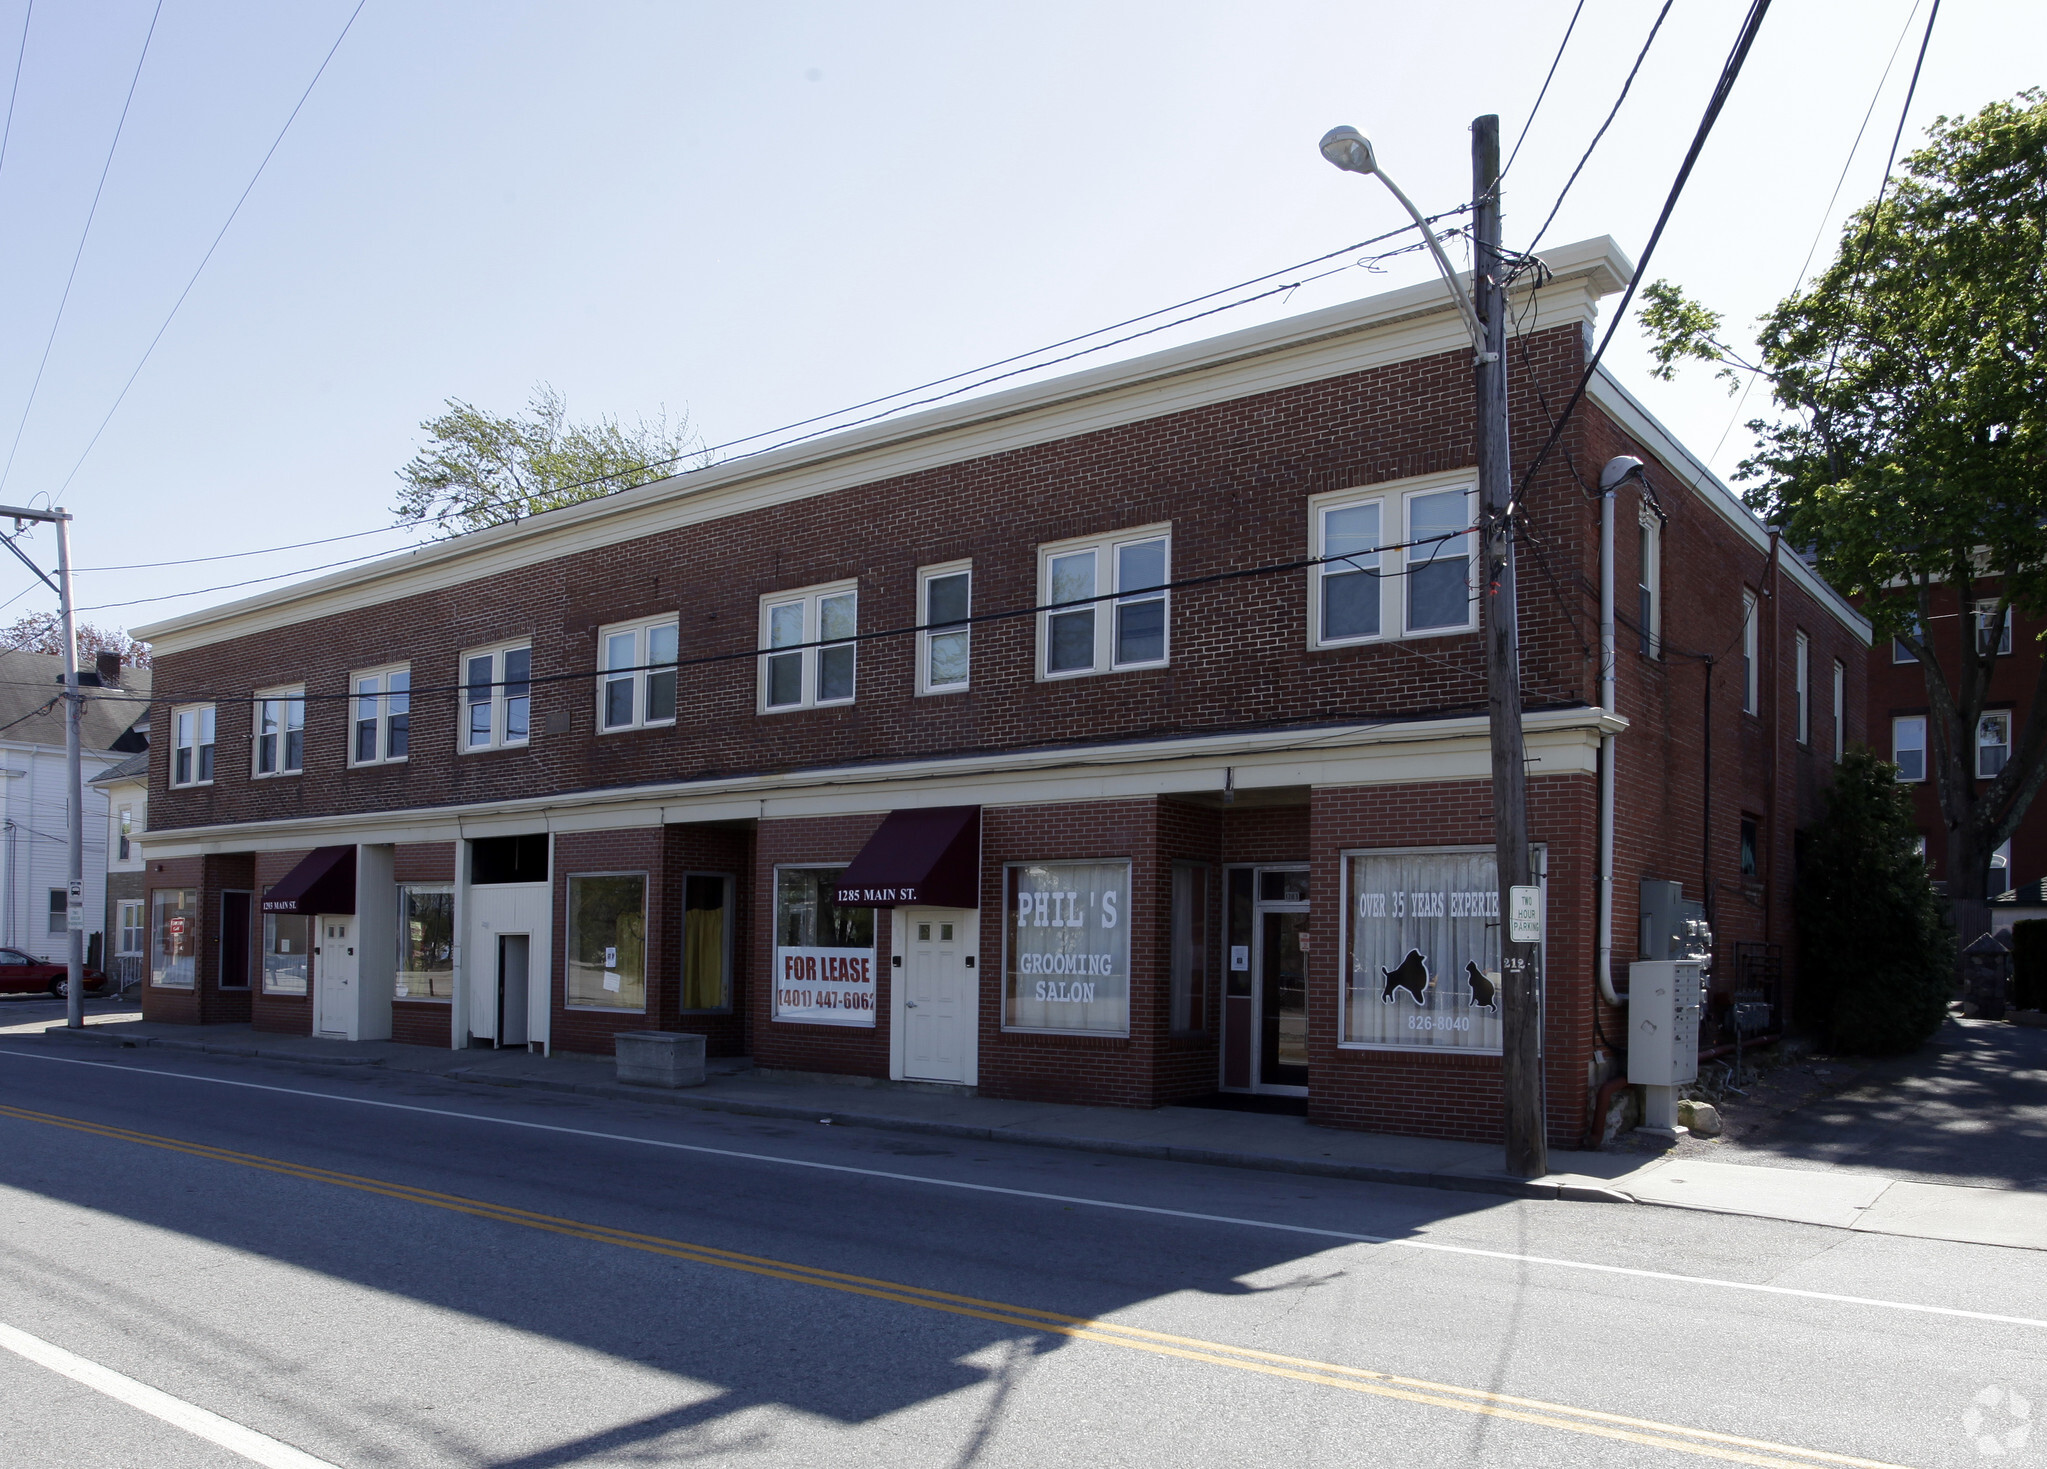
x,y
1673,926
1663,1022
659,1058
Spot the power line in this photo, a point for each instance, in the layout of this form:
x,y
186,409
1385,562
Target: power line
x,y
15,90
83,235
1748,386
1548,77
146,351
1640,57
1729,71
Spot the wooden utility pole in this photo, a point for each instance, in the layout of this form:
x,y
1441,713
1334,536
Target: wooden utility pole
x,y
1521,978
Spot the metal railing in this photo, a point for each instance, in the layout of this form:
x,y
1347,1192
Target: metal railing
x,y
127,973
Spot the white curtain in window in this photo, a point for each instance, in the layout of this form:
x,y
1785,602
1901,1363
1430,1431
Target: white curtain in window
x,y
1424,964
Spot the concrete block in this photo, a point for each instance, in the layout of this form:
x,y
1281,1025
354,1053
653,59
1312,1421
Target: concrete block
x,y
659,1058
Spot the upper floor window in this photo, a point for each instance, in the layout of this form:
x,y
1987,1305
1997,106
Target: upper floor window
x,y
497,697
1802,686
125,828
382,726
1751,656
1840,709
1902,654
1993,743
1391,563
1987,624
805,665
944,603
1107,603
1908,746
637,689
1649,583
280,732
192,745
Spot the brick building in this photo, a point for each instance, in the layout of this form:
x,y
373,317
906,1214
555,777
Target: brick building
x,y
1016,744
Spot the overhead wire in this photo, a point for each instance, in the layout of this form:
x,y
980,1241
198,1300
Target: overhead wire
x,y
1614,112
83,235
218,237
14,91
1548,77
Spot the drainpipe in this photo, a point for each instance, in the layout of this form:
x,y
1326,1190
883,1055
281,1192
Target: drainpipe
x,y
1617,471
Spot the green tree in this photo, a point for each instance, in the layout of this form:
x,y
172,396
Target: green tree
x,y
1912,454
1875,955
482,469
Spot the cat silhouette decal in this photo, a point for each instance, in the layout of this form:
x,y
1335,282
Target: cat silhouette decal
x,y
1485,988
1412,975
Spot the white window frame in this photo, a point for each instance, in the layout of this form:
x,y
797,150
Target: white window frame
x,y
496,700
1751,654
123,907
1106,550
809,601
383,694
639,675
1899,725
1840,709
1802,684
1984,612
926,575
2000,720
1649,582
204,725
259,709
1396,520
124,836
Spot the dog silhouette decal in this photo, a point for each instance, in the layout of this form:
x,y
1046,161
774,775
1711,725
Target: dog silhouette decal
x,y
1485,989
1412,975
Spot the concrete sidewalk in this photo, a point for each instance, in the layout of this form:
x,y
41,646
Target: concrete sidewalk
x,y
1836,1197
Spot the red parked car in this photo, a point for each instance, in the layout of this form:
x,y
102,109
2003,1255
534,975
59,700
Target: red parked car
x,y
23,974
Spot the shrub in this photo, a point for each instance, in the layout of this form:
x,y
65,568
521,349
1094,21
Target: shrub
x,y
1875,954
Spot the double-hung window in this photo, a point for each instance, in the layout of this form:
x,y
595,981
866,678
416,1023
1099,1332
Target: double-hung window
x,y
1840,709
806,664
1391,562
637,689
192,745
1993,743
944,603
1106,603
280,732
1751,656
125,829
380,728
497,697
1908,746
1649,583
1802,685
1987,623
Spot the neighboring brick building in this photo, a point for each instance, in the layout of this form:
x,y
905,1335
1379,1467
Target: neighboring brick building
x,y
685,757
1898,727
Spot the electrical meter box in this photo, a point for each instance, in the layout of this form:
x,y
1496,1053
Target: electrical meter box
x,y
1673,926
1663,1021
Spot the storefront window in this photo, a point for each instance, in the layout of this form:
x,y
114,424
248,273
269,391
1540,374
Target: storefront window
x,y
174,938
824,954
707,941
426,942
1190,947
1424,951
608,941
287,941
1066,959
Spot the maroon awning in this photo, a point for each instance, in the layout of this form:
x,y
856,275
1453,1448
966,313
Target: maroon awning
x,y
927,858
323,882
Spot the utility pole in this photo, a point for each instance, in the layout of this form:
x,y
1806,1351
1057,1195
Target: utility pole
x,y
74,773
1521,1019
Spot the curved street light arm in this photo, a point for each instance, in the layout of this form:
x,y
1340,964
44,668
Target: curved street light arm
x,y
1457,292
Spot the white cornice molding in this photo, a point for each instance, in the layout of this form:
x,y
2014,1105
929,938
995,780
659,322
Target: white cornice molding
x,y
1413,322
1627,410
1560,742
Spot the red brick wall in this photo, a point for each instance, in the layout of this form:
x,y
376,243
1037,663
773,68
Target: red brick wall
x,y
848,1050
208,1002
636,850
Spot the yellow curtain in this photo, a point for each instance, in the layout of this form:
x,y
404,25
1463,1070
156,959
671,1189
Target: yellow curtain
x,y
703,959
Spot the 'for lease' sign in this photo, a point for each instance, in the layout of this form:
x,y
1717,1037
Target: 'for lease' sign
x,y
825,986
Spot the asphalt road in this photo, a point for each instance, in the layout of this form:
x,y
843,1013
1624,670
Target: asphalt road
x,y
382,1270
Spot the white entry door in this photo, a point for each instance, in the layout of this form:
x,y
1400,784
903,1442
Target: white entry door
x,y
938,989
334,972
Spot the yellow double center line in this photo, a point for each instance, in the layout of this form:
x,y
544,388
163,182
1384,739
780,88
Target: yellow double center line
x,y
1641,1431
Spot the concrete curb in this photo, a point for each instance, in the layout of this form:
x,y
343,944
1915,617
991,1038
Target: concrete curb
x,y
1570,1191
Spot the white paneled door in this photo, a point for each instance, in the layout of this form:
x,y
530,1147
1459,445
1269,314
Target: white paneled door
x,y
938,991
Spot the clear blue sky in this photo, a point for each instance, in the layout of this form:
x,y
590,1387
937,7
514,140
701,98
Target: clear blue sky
x,y
749,214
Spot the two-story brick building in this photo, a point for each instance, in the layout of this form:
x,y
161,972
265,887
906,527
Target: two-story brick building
x,y
1119,738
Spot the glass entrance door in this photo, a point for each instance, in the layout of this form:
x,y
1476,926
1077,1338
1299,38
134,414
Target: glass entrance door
x,y
1283,986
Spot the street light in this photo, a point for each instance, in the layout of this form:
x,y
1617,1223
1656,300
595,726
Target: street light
x,y
1485,316
1351,151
